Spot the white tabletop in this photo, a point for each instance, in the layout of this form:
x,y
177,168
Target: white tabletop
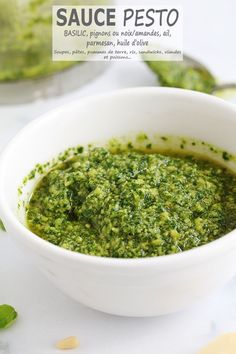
x,y
45,314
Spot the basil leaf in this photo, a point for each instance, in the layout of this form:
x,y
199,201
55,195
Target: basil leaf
x,y
7,315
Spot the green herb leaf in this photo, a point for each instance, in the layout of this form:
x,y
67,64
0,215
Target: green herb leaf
x,y
7,315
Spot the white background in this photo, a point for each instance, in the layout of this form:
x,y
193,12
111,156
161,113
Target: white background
x,y
45,314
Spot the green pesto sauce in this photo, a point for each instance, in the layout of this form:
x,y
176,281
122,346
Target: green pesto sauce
x,y
26,39
132,204
177,74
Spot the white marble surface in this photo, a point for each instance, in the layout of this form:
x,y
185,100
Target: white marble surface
x,y
45,314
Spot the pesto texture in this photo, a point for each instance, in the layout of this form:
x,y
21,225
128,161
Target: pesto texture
x,y
133,204
26,39
176,74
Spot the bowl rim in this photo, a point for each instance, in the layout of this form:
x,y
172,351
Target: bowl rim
x,y
212,248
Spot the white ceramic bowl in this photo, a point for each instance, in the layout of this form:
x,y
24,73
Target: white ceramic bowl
x,y
131,287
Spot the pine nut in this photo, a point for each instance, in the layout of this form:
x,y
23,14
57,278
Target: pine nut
x,y
68,343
